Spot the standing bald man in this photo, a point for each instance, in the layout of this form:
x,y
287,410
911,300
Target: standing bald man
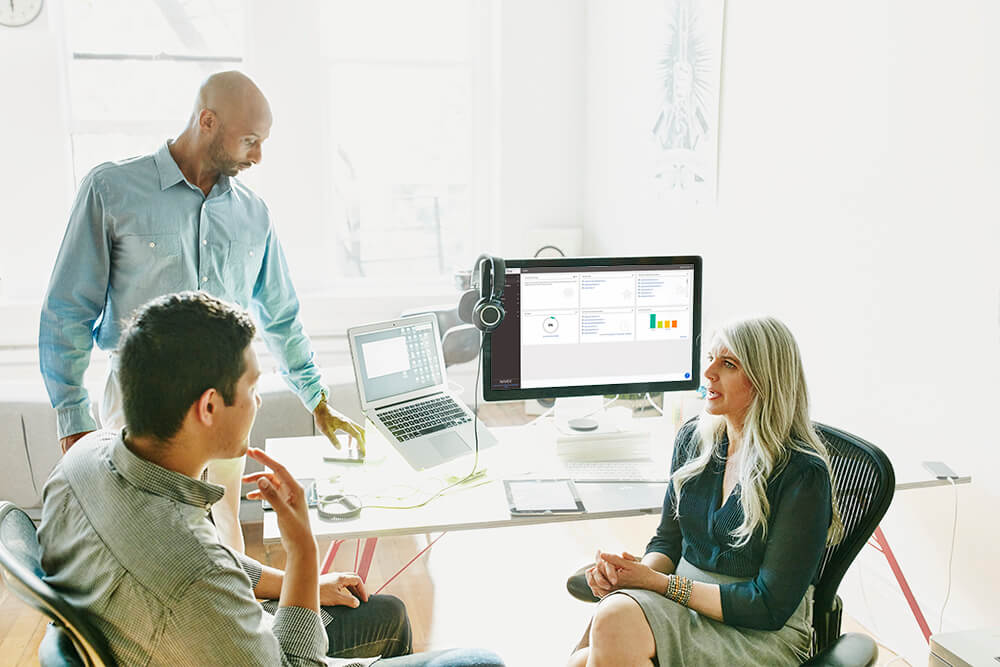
x,y
177,220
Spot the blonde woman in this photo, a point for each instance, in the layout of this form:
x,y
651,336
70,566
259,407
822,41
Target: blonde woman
x,y
728,577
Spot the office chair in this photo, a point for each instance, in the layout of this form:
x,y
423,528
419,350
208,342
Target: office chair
x,y
863,482
459,339
70,639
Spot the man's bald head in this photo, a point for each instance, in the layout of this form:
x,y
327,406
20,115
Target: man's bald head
x,y
229,94
231,120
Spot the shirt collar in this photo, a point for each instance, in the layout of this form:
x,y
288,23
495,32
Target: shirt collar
x,y
162,482
171,174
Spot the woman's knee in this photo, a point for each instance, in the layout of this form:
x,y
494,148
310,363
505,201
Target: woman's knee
x,y
618,616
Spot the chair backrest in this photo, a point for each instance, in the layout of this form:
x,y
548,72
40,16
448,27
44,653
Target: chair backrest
x,y
864,483
459,339
21,568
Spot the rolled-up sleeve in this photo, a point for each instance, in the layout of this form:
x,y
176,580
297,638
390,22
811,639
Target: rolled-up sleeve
x,y
73,302
794,546
276,308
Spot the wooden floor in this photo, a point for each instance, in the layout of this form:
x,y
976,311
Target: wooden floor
x,y
502,589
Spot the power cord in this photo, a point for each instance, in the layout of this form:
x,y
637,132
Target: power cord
x,y
951,555
596,410
652,403
541,416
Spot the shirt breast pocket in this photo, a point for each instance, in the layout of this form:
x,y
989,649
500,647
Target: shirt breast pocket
x,y
242,268
155,258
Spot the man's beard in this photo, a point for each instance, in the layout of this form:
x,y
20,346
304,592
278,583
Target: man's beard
x,y
221,160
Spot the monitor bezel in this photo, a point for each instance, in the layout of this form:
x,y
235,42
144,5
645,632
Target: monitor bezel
x,y
490,394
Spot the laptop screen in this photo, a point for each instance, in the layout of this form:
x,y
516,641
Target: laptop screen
x,y
397,360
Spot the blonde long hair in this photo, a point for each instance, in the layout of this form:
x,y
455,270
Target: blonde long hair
x,y
776,424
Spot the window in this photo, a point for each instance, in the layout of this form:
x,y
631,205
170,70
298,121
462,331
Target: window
x,y
132,64
397,159
403,79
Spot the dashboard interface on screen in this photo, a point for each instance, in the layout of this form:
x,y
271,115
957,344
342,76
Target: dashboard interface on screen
x,y
572,327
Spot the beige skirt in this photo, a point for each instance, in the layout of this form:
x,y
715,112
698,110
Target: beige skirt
x,y
685,637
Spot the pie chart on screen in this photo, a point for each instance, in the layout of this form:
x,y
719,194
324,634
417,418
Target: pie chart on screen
x,y
550,324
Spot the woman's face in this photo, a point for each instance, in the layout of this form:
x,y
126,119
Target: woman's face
x,y
729,389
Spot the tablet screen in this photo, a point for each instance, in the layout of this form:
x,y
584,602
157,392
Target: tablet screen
x,y
542,496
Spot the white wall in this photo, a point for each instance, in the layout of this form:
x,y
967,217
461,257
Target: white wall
x,y
36,177
541,120
855,203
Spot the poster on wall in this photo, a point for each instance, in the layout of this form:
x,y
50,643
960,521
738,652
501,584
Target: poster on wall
x,y
684,125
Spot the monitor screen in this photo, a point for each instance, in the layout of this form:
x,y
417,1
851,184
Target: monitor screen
x,y
584,326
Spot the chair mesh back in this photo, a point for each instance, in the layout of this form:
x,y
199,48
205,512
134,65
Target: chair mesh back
x,y
17,537
864,483
21,566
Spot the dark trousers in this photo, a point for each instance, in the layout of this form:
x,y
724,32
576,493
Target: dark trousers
x,y
382,627
378,627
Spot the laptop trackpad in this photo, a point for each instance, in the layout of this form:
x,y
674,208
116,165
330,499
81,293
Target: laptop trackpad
x,y
449,445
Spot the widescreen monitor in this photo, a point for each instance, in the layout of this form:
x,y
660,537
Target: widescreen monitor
x,y
595,326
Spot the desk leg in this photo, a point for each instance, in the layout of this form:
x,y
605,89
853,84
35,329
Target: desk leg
x,y
330,553
412,560
883,546
366,557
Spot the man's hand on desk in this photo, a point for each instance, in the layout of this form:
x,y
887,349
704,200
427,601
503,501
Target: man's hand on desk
x,y
70,440
343,589
329,421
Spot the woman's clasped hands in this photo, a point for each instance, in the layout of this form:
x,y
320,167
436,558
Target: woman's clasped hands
x,y
611,572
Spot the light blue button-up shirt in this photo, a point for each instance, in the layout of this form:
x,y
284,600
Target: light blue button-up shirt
x,y
139,230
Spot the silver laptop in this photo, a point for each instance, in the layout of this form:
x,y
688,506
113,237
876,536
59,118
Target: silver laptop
x,y
399,368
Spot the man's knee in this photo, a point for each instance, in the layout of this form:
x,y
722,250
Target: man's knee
x,y
390,608
391,614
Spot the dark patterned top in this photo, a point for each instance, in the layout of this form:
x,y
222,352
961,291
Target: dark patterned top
x,y
780,569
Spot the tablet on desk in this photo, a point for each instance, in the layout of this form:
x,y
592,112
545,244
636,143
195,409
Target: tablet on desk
x,y
540,497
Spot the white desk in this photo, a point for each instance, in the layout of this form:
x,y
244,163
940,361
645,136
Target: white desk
x,y
386,479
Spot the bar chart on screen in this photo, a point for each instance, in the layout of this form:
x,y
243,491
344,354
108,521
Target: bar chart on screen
x,y
655,323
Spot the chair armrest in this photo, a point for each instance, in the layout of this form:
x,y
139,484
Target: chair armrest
x,y
57,650
851,650
578,588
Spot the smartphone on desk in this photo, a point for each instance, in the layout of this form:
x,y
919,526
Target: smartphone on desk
x,y
349,455
309,485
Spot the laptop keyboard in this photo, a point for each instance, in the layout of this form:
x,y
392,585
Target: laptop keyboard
x,y
416,419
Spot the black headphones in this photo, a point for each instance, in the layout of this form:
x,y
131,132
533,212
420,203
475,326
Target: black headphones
x,y
488,312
